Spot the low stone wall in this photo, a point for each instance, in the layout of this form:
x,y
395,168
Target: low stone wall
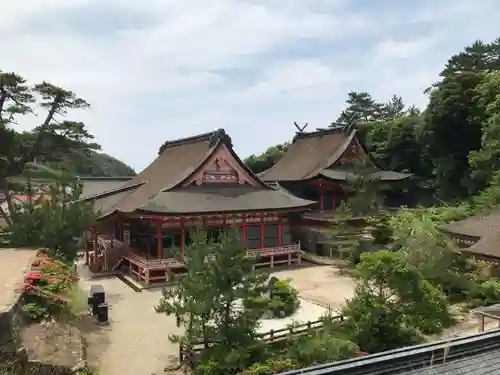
x,y
11,320
13,356
18,363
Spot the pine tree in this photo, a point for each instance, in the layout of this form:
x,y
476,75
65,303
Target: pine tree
x,y
218,301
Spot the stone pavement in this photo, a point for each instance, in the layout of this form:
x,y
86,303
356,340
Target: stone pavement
x,y
136,340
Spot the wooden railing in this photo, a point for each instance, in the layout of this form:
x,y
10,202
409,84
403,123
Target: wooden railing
x,y
137,258
278,250
269,337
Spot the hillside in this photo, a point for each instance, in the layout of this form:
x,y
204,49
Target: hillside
x,y
95,164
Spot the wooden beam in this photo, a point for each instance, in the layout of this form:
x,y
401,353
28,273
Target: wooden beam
x,y
183,237
262,231
280,233
159,242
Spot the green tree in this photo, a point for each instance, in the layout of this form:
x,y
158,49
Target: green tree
x,y
264,161
52,221
478,57
50,140
367,197
218,302
453,129
394,108
485,161
399,145
192,299
394,300
416,234
360,107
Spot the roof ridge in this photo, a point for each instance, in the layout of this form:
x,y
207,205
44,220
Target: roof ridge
x,y
220,133
317,133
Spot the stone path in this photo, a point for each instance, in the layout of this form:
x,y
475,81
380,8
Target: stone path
x,y
13,264
136,340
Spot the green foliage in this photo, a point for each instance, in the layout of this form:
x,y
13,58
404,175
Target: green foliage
x,y
270,366
49,141
52,221
91,163
51,291
318,348
260,163
284,298
216,303
394,300
485,293
375,326
416,234
367,197
399,145
454,121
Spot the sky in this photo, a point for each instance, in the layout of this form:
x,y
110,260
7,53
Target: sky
x,y
159,70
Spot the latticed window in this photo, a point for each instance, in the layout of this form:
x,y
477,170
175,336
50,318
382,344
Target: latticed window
x,y
253,237
271,235
285,235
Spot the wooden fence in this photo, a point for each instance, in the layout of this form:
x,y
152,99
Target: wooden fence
x,y
269,337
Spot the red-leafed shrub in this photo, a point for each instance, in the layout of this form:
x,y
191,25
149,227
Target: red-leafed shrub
x,y
47,290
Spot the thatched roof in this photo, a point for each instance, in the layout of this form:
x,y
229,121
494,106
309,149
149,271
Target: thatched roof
x,y
483,230
317,154
161,187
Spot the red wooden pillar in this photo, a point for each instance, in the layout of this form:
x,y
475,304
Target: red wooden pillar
x,y
183,236
244,232
159,242
262,231
280,233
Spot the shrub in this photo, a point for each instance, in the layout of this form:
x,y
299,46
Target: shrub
x,y
485,293
50,290
271,366
284,298
320,347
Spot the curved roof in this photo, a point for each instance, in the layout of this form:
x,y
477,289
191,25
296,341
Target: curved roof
x,y
484,230
316,154
160,187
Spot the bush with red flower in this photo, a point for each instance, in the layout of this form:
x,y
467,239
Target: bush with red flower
x,y
48,288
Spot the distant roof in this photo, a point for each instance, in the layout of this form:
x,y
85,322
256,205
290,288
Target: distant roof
x,y
314,154
483,230
477,354
159,187
96,185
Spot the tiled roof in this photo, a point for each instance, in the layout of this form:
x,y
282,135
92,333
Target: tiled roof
x,y
477,354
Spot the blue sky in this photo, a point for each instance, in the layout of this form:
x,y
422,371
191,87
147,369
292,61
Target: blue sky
x,y
164,69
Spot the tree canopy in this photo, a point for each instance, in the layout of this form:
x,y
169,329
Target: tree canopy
x,y
452,145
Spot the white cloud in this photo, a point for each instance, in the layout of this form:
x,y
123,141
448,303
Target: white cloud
x,y
175,68
391,49
299,78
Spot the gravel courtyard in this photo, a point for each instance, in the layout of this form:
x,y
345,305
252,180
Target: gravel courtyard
x,y
136,340
321,285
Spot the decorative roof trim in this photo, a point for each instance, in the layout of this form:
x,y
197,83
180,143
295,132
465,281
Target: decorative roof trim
x,y
216,134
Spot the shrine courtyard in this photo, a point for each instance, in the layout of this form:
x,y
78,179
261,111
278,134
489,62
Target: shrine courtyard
x,y
136,340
